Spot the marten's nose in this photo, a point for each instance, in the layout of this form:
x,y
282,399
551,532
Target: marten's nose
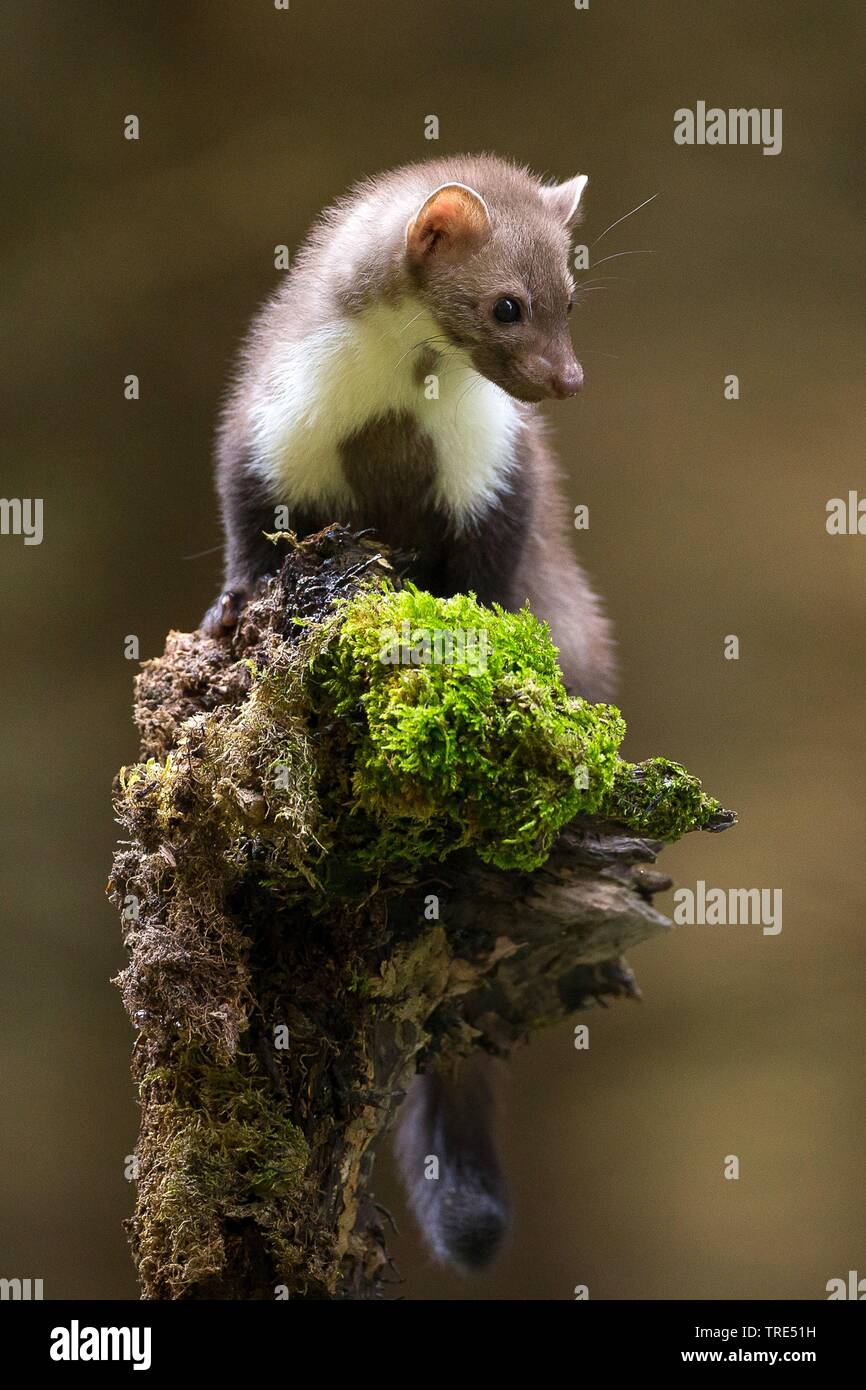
x,y
566,379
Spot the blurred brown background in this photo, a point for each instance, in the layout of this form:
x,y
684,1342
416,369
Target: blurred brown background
x,y
707,518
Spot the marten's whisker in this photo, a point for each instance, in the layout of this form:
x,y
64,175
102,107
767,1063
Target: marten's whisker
x,y
476,381
422,342
414,319
200,553
623,218
617,254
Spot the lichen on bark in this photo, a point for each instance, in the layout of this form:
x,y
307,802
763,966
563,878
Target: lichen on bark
x,y
305,793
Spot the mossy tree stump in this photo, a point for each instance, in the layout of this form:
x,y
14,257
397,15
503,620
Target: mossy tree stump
x,y
349,855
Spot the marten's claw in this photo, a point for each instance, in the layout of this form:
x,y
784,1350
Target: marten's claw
x,y
222,617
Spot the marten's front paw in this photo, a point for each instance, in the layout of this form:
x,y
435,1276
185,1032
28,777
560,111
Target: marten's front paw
x,y
223,615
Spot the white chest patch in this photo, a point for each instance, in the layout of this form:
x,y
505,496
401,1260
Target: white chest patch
x,y
318,391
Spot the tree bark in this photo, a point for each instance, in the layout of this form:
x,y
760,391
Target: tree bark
x,y
276,1031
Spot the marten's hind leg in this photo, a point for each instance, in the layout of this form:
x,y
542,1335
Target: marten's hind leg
x,y
249,516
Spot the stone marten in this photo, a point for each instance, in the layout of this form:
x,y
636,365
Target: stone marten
x,y
391,383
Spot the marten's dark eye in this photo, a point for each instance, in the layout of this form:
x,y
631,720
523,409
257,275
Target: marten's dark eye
x,y
507,310
570,306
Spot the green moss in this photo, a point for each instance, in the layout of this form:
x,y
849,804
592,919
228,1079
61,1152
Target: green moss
x,y
658,798
217,1143
400,729
236,775
482,748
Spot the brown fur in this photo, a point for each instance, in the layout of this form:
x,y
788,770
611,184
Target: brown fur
x,y
459,257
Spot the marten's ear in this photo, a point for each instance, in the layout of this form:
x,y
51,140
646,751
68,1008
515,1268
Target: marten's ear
x,y
454,219
563,200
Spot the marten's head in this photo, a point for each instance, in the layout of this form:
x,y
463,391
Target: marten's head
x,y
494,272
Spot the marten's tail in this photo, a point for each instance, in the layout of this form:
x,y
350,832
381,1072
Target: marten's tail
x,y
448,1158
